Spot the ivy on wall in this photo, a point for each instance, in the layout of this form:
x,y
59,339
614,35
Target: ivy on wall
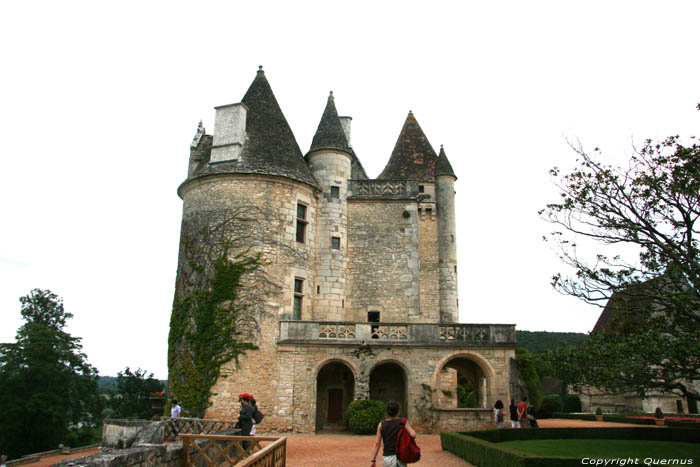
x,y
210,323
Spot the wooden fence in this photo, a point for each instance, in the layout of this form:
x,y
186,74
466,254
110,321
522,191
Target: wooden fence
x,y
175,427
200,450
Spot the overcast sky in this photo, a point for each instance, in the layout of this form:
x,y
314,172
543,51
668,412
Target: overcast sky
x,y
99,102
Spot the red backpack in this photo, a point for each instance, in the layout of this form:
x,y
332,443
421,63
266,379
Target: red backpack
x,y
406,448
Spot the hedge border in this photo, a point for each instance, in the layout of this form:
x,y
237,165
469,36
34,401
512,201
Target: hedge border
x,y
481,447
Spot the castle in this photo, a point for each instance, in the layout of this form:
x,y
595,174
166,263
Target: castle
x,y
364,273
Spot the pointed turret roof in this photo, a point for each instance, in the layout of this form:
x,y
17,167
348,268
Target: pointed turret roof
x,y
330,133
270,147
413,158
443,166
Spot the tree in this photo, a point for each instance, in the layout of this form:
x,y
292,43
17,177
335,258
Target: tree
x,y
651,208
47,387
133,395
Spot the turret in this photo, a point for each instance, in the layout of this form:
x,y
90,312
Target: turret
x,y
447,242
330,159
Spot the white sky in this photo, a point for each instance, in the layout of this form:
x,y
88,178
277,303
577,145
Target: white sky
x,y
99,102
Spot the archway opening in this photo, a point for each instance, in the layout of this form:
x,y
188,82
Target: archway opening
x,y
462,384
335,389
388,382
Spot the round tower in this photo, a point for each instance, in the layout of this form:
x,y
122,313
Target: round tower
x,y
330,160
447,241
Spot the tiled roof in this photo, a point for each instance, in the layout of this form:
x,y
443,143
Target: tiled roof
x,y
270,147
330,133
413,157
443,166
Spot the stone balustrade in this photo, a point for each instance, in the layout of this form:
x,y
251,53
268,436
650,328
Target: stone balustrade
x,y
367,189
356,333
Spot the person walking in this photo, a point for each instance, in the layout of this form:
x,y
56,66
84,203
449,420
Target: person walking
x,y
245,419
514,422
387,432
498,414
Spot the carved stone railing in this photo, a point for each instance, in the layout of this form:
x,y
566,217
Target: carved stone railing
x,y
179,426
354,333
367,189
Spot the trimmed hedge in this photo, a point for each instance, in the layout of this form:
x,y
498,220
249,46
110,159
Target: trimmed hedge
x,y
623,419
481,447
682,424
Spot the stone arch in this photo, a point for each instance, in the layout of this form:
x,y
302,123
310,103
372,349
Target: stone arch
x,y
335,389
472,366
388,380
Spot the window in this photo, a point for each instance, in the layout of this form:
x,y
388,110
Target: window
x,y
421,189
335,243
373,317
335,192
301,223
298,298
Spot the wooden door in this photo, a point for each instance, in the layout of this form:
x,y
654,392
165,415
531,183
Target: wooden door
x,y
335,405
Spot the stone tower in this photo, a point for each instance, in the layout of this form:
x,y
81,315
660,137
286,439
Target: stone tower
x,y
360,274
447,239
330,161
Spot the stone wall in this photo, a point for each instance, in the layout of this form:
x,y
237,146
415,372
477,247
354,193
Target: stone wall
x,y
294,405
383,260
429,285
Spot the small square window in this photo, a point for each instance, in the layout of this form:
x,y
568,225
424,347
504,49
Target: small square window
x,y
421,189
298,286
335,192
301,211
335,243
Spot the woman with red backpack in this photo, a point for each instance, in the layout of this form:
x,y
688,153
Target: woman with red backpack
x,y
387,434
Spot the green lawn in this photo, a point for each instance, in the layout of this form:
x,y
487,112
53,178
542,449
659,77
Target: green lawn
x,y
607,448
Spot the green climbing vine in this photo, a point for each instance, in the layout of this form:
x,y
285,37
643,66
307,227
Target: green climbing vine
x,y
212,320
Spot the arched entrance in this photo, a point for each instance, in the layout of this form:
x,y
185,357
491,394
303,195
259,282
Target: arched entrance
x,y
387,381
335,389
462,383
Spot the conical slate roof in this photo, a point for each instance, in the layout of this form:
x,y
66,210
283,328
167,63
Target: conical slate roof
x,y
443,166
270,147
330,133
413,157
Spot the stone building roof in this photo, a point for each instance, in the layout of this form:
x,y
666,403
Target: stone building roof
x,y
443,166
270,147
413,158
330,133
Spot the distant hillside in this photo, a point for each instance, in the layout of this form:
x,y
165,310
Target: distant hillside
x,y
539,341
108,384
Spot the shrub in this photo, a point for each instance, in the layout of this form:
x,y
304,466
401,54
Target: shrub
x,y
550,403
364,416
598,411
658,413
571,403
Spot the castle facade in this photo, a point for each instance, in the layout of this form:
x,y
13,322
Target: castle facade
x,y
361,273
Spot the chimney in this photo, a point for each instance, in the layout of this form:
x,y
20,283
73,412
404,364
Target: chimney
x,y
229,132
346,122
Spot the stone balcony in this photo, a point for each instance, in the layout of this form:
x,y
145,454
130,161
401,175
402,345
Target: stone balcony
x,y
396,334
